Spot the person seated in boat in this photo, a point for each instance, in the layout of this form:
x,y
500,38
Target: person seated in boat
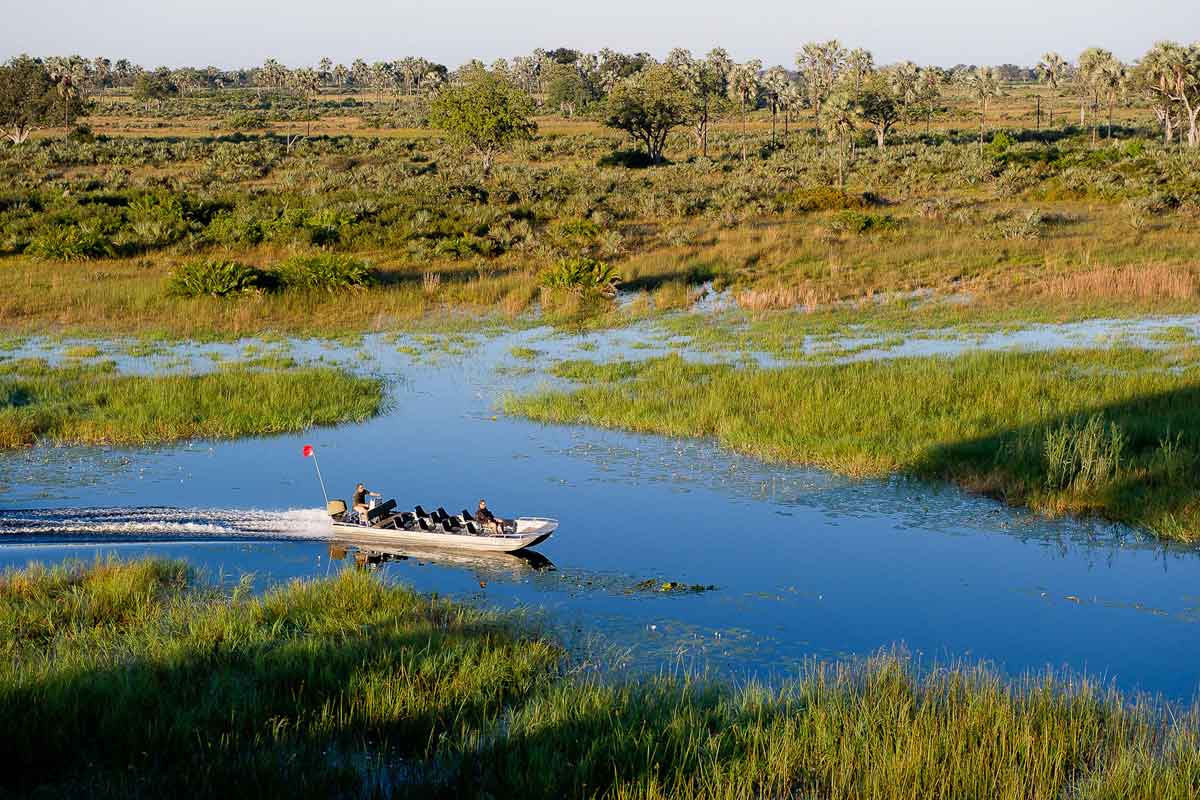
x,y
485,517
359,501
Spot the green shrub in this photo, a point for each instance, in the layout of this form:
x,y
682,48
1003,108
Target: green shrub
x,y
156,221
582,274
235,228
850,221
72,243
216,278
1000,144
326,271
821,198
247,121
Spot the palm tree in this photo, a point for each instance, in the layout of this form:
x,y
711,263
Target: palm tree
x,y
744,89
307,82
1052,69
838,119
790,99
929,89
904,83
1095,67
859,64
1113,79
983,84
821,64
1171,73
775,82
360,73
68,92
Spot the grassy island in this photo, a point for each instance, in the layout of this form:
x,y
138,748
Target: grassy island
x,y
89,403
1107,432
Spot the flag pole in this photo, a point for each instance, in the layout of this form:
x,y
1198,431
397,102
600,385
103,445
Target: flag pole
x,y
310,451
321,480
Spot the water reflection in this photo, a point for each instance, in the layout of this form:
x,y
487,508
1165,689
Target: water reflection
x,y
484,565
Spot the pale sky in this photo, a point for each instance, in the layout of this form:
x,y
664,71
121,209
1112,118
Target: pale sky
x,y
237,33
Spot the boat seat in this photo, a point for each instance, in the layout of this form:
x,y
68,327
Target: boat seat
x,y
424,523
466,515
380,510
446,527
421,512
407,517
471,529
441,514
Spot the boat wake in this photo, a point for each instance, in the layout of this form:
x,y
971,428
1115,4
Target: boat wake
x,y
158,524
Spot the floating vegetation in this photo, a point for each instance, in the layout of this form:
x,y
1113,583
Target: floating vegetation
x,y
670,587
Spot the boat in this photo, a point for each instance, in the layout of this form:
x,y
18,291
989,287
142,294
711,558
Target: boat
x,y
384,525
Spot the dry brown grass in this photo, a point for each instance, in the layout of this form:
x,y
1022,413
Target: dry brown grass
x,y
777,298
1148,282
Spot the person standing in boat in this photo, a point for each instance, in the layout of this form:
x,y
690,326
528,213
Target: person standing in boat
x,y
485,516
359,501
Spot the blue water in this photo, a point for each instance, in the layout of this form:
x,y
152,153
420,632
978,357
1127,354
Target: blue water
x,y
803,563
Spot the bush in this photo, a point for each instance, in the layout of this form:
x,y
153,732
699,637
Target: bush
x,y
156,221
582,275
247,121
822,198
215,278
72,243
235,228
326,271
850,221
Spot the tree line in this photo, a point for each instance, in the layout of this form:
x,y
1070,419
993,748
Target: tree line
x,y
842,89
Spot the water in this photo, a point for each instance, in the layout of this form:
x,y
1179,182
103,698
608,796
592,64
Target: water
x,y
803,563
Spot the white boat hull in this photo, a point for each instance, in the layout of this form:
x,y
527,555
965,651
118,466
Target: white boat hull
x,y
529,532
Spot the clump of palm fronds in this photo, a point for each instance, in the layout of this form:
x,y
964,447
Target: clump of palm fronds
x,y
80,242
327,272
216,278
582,274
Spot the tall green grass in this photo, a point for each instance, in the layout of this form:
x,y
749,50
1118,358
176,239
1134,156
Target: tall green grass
x,y
94,404
1114,433
120,679
132,678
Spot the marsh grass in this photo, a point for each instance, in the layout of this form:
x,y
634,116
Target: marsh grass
x,y
1112,432
135,678
94,404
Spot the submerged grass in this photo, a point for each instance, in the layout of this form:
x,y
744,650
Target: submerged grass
x,y
121,679
94,404
1113,433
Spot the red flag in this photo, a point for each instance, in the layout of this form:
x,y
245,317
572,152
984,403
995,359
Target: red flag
x,y
307,451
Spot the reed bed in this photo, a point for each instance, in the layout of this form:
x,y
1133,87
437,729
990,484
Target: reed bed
x,y
126,679
1112,433
94,404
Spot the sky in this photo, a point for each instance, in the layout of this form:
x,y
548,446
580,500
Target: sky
x,y
236,33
